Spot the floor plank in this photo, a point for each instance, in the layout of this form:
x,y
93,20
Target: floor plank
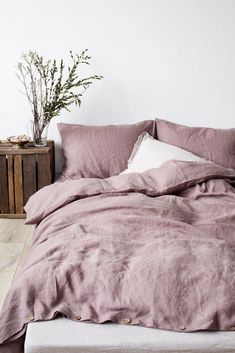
x,y
13,231
25,251
15,241
5,283
9,256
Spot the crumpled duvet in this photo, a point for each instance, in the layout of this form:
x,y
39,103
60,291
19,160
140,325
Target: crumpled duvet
x,y
155,249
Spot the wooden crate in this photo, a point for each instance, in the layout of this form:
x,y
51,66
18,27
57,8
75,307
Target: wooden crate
x,y
22,173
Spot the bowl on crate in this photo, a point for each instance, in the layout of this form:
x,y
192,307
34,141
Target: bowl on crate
x,y
18,141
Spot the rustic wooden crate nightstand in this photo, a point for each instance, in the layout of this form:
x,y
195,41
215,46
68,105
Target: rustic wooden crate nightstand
x,y
23,172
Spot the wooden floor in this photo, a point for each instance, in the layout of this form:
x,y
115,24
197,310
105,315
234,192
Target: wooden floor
x,y
15,240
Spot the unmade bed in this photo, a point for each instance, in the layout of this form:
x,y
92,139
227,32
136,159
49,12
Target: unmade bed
x,y
147,251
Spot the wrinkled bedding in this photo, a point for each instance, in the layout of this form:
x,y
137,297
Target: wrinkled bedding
x,y
155,249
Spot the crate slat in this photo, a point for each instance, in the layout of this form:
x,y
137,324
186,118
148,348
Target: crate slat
x,y
44,171
18,180
4,205
11,193
29,176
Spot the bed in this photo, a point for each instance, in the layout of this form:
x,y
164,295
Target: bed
x,y
148,253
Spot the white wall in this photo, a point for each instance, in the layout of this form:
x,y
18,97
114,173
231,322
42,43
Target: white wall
x,y
160,58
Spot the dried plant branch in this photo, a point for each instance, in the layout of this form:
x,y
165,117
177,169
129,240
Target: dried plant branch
x,y
46,89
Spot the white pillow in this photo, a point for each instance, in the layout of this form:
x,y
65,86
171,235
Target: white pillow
x,y
150,153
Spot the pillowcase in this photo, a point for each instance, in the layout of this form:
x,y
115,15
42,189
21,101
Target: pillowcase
x,y
149,153
217,145
99,151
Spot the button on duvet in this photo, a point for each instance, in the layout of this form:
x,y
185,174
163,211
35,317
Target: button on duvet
x,y
30,318
78,317
127,321
182,328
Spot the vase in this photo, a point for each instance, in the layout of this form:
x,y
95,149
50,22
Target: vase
x,y
39,134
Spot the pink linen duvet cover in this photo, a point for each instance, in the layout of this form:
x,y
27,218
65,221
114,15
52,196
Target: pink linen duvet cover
x,y
155,249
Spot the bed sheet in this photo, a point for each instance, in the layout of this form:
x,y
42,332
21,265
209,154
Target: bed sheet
x,y
66,336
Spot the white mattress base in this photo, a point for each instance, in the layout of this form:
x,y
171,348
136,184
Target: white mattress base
x,y
66,336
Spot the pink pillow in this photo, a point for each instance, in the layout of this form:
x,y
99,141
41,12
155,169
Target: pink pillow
x,y
99,151
217,145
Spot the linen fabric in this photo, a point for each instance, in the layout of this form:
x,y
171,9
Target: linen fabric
x,y
150,153
99,151
154,249
217,145
62,335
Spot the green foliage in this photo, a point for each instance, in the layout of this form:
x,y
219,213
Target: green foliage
x,y
50,86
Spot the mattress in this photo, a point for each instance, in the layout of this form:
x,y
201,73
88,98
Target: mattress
x,y
65,336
